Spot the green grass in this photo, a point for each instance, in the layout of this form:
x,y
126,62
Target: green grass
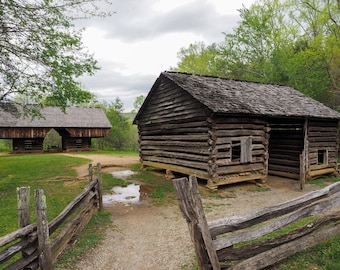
x,y
53,173
110,181
325,256
89,238
324,181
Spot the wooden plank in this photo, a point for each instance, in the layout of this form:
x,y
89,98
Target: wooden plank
x,y
181,149
318,207
239,132
6,239
284,251
255,248
192,210
321,172
176,168
241,168
185,137
179,155
44,245
174,143
72,206
178,162
234,223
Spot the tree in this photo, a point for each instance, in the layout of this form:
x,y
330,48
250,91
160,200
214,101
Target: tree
x,y
41,52
290,42
138,103
198,59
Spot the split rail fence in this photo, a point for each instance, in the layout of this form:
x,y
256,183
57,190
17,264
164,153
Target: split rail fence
x,y
33,241
216,242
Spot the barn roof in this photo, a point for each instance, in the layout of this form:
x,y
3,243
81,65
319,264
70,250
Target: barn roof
x,y
242,97
53,117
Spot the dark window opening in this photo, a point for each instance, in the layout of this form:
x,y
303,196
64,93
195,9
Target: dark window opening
x,y
322,157
235,150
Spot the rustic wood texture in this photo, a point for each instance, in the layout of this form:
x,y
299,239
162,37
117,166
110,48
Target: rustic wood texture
x,y
256,254
44,245
192,210
33,236
207,125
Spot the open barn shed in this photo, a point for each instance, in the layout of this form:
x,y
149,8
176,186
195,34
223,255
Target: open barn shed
x,y
76,127
228,131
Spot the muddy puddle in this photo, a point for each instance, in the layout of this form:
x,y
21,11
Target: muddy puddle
x,y
133,193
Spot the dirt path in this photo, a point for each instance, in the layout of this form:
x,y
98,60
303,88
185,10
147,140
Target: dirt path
x,y
149,237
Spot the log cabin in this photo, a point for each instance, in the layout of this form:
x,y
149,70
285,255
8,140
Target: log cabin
x,y
227,131
76,126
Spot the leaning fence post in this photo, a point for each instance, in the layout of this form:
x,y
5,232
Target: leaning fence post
x,y
23,194
100,187
44,246
90,172
192,209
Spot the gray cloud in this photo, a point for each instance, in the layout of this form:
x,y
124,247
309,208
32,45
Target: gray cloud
x,y
135,21
108,84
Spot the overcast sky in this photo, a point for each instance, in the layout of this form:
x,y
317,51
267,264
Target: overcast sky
x,y
143,37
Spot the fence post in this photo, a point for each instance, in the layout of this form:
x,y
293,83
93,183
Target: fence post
x,y
44,246
192,209
23,195
100,187
90,172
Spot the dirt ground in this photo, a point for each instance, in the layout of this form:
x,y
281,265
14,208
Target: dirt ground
x,y
144,236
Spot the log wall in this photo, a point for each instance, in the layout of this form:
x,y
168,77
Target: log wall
x,y
11,133
250,162
173,132
323,146
28,145
286,143
76,144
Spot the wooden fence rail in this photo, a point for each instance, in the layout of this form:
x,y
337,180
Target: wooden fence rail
x,y
33,241
215,241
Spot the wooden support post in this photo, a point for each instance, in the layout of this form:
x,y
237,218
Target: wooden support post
x,y
90,172
192,210
100,186
23,206
302,171
23,194
44,246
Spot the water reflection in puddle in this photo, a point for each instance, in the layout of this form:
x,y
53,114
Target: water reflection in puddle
x,y
129,194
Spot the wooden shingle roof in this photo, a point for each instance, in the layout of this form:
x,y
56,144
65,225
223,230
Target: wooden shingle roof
x,y
242,97
53,117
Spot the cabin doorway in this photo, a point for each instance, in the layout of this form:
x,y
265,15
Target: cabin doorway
x,y
286,143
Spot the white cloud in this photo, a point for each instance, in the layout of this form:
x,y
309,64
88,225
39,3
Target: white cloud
x,y
143,38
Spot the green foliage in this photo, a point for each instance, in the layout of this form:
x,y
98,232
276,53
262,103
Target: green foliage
x,y
5,145
294,43
42,53
138,103
124,135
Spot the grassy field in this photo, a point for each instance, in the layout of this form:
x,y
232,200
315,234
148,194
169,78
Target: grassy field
x,y
54,173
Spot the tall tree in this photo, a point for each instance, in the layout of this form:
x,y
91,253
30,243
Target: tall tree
x,y
291,42
41,52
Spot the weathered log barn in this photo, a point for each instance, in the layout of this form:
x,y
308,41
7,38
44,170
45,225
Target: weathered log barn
x,y
76,127
228,131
